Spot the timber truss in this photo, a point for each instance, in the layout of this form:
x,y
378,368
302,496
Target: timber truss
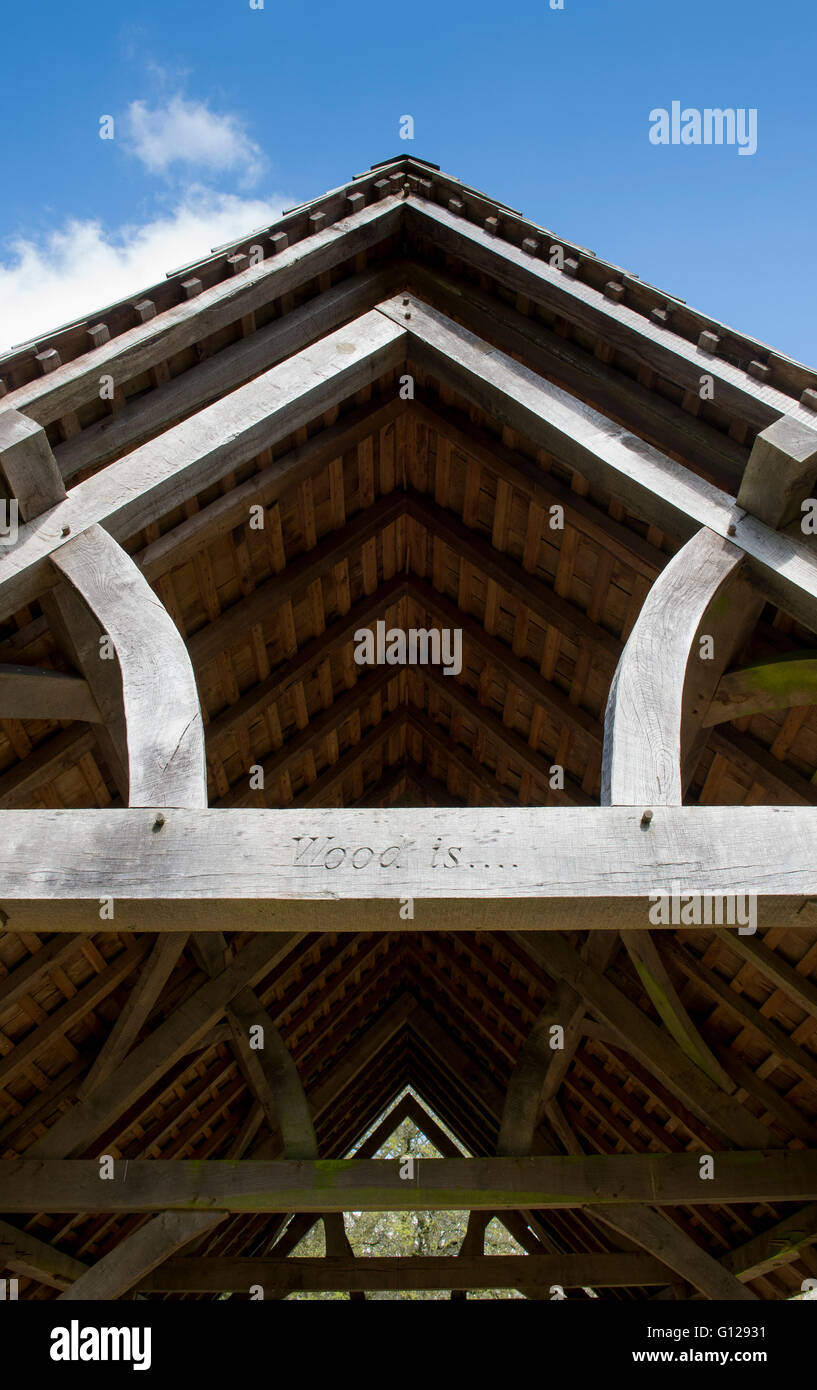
x,y
400,405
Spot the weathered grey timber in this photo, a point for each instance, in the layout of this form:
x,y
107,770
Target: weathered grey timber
x,y
601,855
164,736
440,1184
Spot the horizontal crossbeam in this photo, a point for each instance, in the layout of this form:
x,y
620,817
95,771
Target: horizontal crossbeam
x,y
214,1275
177,869
439,1184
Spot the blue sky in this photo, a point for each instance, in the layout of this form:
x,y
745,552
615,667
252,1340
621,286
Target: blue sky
x,y
225,114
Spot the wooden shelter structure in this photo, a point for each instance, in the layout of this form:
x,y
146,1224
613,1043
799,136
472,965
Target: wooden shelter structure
x,y
251,889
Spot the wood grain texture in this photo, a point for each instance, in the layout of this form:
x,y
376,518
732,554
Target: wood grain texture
x,y
660,348
164,472
642,760
29,466
24,1253
646,957
131,1018
227,370
152,342
598,854
650,483
776,1246
781,471
164,751
439,1184
526,1088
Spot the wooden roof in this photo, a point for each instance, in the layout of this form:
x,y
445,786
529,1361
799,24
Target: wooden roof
x,y
415,496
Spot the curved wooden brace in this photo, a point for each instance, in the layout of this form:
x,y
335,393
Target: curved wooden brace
x,y
782,683
160,736
663,683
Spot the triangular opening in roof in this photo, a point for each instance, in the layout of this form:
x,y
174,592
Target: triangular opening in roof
x,y
377,1235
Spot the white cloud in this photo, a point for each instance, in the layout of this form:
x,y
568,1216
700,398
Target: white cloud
x,y
83,267
189,133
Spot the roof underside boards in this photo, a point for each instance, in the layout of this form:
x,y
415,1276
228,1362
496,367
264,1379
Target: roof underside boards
x,y
403,492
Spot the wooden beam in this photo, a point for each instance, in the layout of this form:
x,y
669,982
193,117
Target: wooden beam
x,y
510,667
653,1048
543,489
661,682
755,761
796,986
22,783
229,368
323,724
562,860
523,1102
129,1022
164,749
553,610
646,957
516,748
651,345
655,1232
331,780
148,1062
648,482
440,1184
265,1059
648,1227
24,1253
53,1028
131,353
219,517
438,738
28,692
781,472
28,464
296,669
27,976
779,1245
161,474
441,1272
303,570
591,378
134,1258
782,683
681,1253
781,1043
